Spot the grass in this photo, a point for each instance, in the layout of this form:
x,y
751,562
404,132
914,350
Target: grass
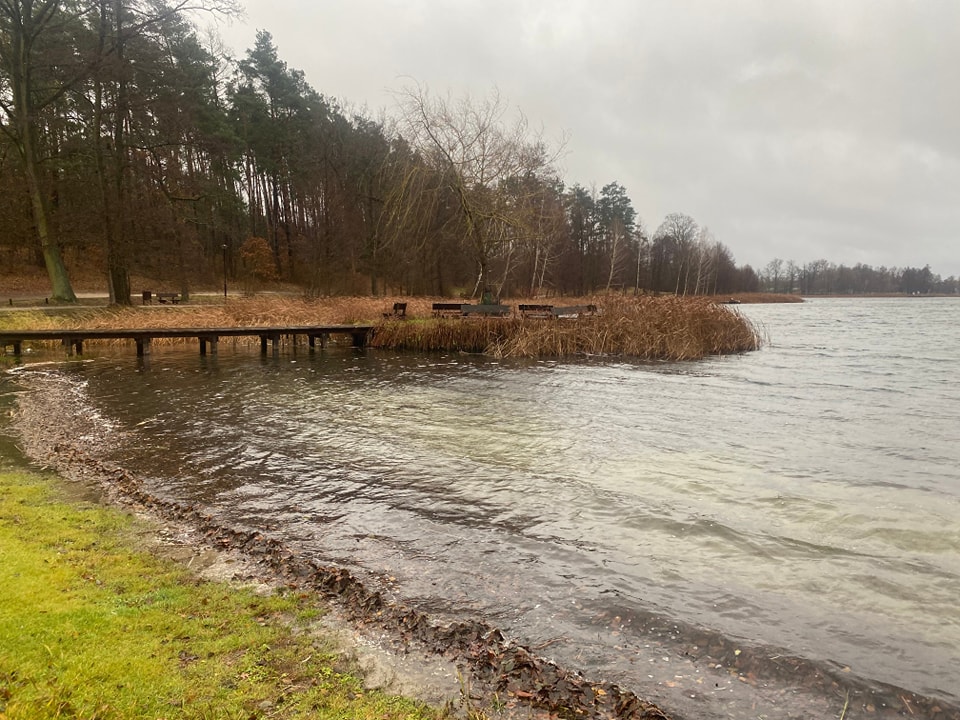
x,y
92,626
667,327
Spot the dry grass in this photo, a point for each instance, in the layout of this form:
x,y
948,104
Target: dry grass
x,y
241,312
670,328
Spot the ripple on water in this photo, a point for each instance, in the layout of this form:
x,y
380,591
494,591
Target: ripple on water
x,y
802,497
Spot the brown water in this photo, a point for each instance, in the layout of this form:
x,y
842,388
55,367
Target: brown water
x,y
637,521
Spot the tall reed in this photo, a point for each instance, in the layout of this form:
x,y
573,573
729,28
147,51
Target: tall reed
x,y
667,328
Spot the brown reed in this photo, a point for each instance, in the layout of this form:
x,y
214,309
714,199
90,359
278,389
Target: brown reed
x,y
663,328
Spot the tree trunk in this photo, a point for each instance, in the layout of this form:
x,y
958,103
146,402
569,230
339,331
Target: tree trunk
x,y
52,259
25,114
118,264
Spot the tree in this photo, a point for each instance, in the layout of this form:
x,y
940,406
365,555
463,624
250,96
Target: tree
x,y
772,273
618,224
583,220
917,281
476,153
38,61
672,256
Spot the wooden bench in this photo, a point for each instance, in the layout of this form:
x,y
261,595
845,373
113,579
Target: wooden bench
x,y
486,310
448,309
536,311
574,311
162,297
399,311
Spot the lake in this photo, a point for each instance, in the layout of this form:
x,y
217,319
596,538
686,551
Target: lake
x,y
622,517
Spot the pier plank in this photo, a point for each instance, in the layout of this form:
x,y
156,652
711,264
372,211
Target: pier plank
x,y
73,339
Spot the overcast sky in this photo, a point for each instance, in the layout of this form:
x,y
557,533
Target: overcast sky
x,y
799,129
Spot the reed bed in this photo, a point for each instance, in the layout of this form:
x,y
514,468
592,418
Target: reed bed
x,y
668,328
662,328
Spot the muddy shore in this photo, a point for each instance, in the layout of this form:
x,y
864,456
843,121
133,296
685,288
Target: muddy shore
x,y
408,650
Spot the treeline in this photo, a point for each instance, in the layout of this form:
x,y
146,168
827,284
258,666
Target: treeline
x,y
825,278
134,146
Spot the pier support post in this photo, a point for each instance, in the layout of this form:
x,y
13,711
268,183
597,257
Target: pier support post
x,y
74,345
359,338
274,339
143,346
213,340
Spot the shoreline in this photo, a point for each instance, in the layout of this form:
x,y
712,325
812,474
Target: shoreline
x,y
476,645
491,666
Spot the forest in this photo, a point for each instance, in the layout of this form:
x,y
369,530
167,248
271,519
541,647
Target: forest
x,y
134,146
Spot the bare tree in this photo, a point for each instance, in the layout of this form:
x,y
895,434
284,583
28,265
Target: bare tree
x,y
484,158
772,273
674,242
705,253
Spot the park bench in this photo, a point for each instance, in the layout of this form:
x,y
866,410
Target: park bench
x,y
536,311
574,311
486,310
448,309
399,311
162,297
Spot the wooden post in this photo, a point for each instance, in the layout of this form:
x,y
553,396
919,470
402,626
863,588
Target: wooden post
x,y
74,345
143,346
213,340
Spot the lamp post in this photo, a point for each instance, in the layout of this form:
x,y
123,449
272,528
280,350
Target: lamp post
x,y
224,246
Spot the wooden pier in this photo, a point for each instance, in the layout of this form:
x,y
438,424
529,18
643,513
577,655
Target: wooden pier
x,y
208,337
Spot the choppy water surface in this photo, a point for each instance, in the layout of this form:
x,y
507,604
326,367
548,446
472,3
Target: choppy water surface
x,y
805,496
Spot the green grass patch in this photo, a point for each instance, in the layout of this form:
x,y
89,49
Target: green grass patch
x,y
92,626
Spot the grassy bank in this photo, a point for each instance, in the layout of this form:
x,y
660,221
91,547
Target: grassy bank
x,y
92,626
668,328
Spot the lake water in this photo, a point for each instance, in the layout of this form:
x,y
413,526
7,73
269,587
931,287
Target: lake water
x,y
803,499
